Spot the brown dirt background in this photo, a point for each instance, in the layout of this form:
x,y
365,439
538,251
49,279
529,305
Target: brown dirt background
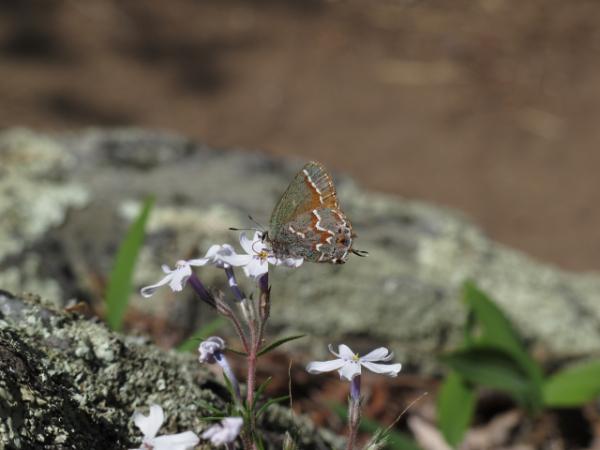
x,y
488,106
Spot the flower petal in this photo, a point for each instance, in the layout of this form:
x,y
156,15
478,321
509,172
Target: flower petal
x,y
256,268
349,370
180,276
233,423
199,261
148,291
246,243
236,260
293,262
324,366
211,431
213,250
391,370
226,251
345,352
210,348
225,432
179,441
379,354
286,262
150,424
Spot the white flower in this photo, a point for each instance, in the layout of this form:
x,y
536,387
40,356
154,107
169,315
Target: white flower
x,y
348,364
210,348
258,257
177,278
149,425
225,432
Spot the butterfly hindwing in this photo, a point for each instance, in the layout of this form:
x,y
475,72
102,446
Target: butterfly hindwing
x,y
320,235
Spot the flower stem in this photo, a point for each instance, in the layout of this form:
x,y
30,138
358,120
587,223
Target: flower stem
x,y
251,360
255,328
353,412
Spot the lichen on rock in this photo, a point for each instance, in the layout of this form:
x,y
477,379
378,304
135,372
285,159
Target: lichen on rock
x,y
35,196
70,383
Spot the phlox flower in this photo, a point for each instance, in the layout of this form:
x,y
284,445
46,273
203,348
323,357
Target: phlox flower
x,y
149,426
177,278
255,262
348,364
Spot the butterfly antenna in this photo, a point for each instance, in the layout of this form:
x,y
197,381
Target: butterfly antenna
x,y
257,223
361,253
260,227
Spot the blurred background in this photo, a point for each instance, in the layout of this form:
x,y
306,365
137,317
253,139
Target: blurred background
x,y
488,106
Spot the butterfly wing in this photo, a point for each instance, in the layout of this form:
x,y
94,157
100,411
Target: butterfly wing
x,y
320,235
311,188
307,221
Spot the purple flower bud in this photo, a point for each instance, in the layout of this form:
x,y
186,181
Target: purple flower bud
x,y
233,285
202,292
211,349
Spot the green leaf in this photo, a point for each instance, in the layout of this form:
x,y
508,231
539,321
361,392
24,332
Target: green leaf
x,y
574,386
210,408
497,369
120,281
396,439
456,405
498,332
262,388
264,407
208,329
279,342
236,352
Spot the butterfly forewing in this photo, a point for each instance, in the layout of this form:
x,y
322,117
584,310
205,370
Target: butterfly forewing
x,y
311,188
307,221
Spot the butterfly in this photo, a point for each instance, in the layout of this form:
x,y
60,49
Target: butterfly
x,y
307,221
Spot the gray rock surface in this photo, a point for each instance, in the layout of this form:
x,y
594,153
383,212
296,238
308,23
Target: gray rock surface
x,y
68,383
66,201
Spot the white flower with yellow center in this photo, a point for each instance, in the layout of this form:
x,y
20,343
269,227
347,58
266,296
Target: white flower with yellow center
x,y
348,364
255,262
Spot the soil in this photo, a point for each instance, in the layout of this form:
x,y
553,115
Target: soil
x,y
488,106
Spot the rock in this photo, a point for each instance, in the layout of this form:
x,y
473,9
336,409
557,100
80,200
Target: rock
x,y
69,383
405,294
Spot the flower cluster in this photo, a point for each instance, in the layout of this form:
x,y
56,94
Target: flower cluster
x,y
255,263
249,324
